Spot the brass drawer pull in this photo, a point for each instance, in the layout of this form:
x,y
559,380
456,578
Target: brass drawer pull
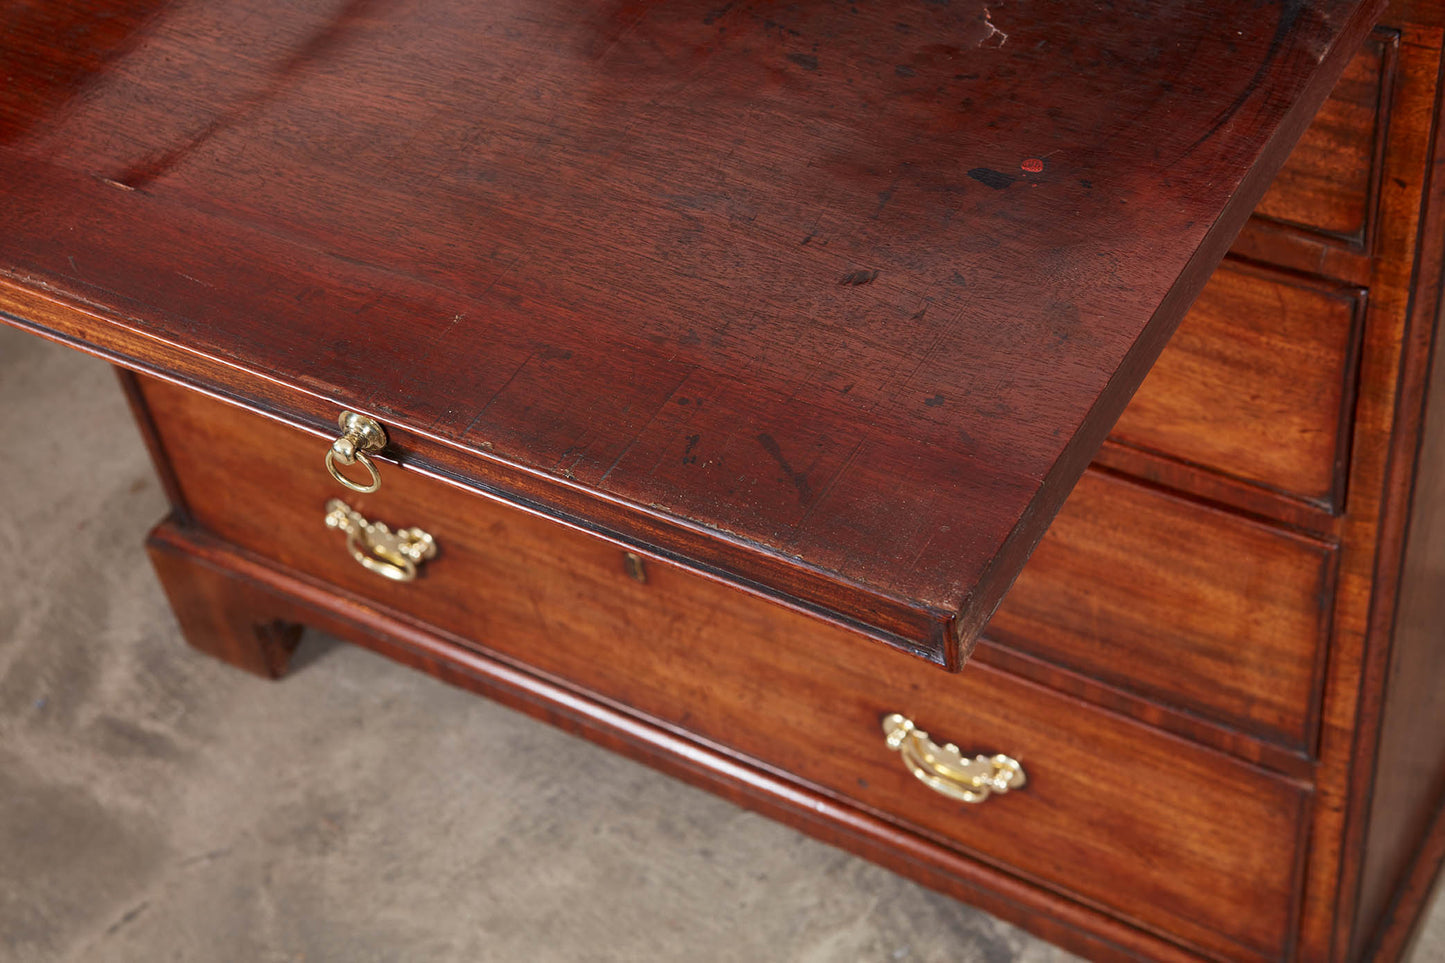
x,y
944,769
359,435
393,555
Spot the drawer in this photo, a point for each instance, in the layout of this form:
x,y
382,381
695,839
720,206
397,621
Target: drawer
x,y
1184,604
1258,384
1328,184
1169,835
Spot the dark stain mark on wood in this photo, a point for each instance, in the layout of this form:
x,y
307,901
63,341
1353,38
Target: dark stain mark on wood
x,y
716,14
688,458
959,279
1063,320
799,480
1086,184
806,61
989,177
934,402
903,70
886,195
780,28
860,276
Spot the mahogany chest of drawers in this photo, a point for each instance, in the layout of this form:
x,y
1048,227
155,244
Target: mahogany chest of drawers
x,y
718,379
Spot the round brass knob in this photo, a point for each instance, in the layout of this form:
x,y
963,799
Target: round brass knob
x,y
359,436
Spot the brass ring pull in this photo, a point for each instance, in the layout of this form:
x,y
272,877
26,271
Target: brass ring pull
x,y
359,435
393,555
944,769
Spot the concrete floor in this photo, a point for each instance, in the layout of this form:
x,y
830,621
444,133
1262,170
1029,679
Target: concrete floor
x,y
156,805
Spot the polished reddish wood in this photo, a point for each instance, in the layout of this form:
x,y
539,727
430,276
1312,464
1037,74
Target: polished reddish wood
x,y
1330,183
1401,317
1258,384
1359,891
787,690
1124,574
1409,793
221,620
838,301
278,595
1187,605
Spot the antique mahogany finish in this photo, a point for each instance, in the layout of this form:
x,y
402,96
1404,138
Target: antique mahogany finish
x,y
781,688
706,276
674,313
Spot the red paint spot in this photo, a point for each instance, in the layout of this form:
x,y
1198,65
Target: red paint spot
x,y
1033,165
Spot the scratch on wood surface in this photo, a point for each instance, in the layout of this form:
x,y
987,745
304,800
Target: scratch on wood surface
x,y
922,550
496,394
905,384
993,31
827,489
643,430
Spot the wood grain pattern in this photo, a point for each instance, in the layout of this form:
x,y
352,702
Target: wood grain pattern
x,y
809,266
1258,383
786,690
1240,608
288,596
1330,183
1397,930
222,621
283,246
1410,758
1401,318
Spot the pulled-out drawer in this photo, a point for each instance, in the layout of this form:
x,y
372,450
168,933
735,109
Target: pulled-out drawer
x,y
1172,836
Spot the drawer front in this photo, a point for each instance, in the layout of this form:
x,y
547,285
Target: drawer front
x,y
1165,833
1258,384
1328,184
1183,604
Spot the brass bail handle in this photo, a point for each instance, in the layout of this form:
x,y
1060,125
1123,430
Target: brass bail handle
x,y
393,555
360,435
944,768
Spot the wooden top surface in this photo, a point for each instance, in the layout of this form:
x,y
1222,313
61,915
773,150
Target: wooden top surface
x,y
832,299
